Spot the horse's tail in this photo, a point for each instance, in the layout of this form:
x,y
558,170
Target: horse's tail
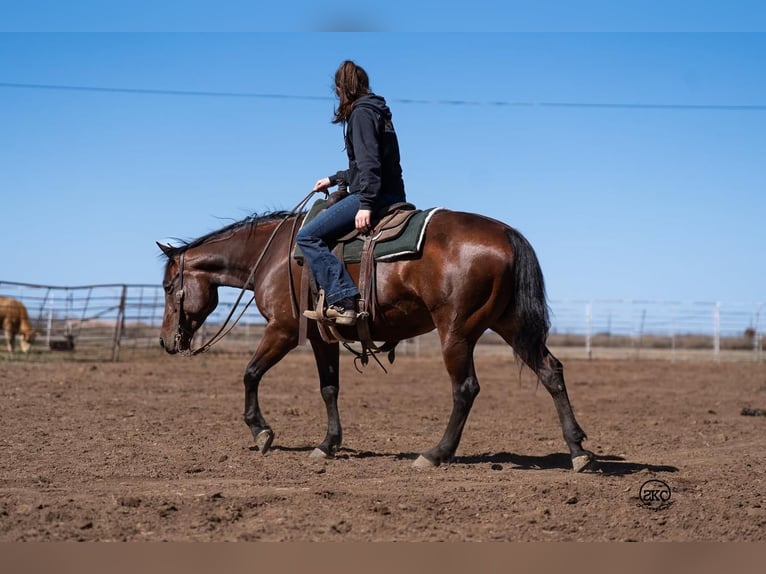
x,y
529,306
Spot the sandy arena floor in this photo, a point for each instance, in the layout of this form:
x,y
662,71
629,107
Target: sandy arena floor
x,y
155,449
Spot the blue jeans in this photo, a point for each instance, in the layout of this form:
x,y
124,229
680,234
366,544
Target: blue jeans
x,y
315,240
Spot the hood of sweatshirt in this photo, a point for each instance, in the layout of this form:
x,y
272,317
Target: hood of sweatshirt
x,y
376,103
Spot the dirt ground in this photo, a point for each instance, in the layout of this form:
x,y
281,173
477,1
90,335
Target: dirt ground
x,y
155,449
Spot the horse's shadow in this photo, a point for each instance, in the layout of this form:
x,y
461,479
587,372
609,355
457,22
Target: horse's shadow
x,y
604,463
612,465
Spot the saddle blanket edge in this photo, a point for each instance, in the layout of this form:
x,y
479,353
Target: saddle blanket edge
x,y
418,244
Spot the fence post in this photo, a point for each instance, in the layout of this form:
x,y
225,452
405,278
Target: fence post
x,y
717,329
588,322
757,335
673,335
49,327
119,326
641,333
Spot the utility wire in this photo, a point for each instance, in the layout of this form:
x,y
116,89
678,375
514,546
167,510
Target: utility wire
x,y
160,92
518,104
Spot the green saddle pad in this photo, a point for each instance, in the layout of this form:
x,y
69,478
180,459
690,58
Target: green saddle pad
x,y
408,243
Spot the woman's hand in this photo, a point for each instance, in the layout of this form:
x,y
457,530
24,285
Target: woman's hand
x,y
362,219
323,183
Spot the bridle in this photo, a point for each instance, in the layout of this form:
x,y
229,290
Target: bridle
x,y
182,331
179,295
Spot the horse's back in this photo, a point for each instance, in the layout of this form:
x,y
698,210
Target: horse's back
x,y
451,231
460,250
447,218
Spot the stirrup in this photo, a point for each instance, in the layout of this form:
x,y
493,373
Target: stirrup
x,y
331,314
317,314
314,315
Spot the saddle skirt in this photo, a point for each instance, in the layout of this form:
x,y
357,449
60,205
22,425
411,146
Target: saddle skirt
x,y
398,234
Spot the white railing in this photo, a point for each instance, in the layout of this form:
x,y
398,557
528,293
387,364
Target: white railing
x,y
111,317
696,323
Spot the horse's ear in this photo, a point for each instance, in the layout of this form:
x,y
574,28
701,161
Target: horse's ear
x,y
166,249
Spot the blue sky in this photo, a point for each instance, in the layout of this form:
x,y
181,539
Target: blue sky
x,y
633,162
393,15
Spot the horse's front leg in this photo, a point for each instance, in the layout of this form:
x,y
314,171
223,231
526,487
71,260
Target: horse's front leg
x,y
277,341
9,336
327,358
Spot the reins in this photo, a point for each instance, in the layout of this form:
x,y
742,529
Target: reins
x,y
225,327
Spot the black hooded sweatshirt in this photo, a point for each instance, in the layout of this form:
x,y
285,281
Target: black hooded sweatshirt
x,y
374,169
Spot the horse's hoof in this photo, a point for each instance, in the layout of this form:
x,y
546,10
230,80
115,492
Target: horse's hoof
x,y
580,463
318,453
264,439
423,463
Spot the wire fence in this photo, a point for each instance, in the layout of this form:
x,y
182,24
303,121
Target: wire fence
x,y
641,325
119,321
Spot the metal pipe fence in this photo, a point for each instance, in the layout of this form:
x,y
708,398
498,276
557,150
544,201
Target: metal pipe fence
x,y
117,321
112,321
674,325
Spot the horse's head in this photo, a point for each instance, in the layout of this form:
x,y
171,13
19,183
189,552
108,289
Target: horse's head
x,y
27,338
190,296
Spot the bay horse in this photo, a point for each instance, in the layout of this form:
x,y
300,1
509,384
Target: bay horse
x,y
473,274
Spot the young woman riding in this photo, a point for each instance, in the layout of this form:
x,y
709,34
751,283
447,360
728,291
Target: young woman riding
x,y
374,181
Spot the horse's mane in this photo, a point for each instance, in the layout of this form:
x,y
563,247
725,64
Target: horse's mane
x,y
251,221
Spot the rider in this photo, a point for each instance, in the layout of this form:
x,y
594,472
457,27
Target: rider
x,y
374,180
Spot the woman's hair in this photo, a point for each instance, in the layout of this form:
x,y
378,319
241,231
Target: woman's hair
x,y
351,83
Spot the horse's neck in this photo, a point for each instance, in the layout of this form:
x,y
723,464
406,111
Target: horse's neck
x,y
268,247
233,260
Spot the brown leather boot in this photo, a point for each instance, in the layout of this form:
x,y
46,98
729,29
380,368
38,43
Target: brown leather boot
x,y
341,313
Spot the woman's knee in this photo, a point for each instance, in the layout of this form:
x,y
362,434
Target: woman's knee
x,y
303,237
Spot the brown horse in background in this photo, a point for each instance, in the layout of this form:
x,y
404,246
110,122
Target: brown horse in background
x,y
474,274
15,321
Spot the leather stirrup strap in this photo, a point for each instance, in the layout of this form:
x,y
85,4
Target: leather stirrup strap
x,y
366,276
303,322
367,302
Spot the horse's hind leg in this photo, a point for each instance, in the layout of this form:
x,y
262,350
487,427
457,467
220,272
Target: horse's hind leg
x,y
458,358
551,374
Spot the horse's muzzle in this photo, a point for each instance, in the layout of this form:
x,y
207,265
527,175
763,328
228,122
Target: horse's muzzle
x,y
170,349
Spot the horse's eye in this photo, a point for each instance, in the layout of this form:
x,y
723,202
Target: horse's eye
x,y
168,287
